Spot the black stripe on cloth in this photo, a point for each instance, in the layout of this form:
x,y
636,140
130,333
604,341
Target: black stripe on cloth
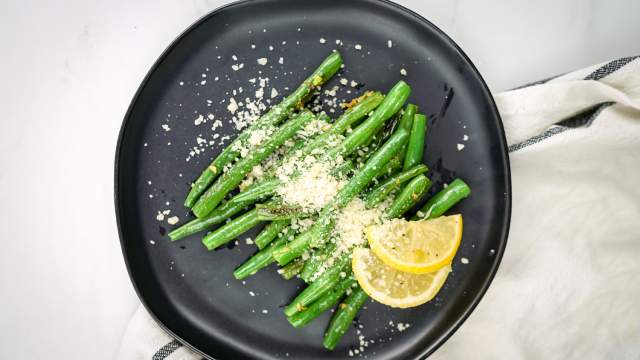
x,y
581,120
166,350
585,118
553,130
609,68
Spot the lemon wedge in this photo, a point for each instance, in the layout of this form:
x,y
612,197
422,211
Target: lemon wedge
x,y
416,247
393,287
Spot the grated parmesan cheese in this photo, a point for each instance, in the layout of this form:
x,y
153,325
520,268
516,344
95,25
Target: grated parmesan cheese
x,y
314,189
351,222
233,106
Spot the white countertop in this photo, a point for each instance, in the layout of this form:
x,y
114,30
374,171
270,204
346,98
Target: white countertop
x,y
68,72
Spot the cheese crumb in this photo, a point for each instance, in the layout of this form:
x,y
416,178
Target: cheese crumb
x,y
274,92
389,44
166,127
464,260
344,81
281,60
358,47
233,106
465,137
323,40
262,61
173,220
460,146
403,72
199,120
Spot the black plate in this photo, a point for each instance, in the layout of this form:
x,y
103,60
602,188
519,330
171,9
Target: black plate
x,y
190,291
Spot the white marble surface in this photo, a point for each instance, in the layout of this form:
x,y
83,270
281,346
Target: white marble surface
x,y
68,72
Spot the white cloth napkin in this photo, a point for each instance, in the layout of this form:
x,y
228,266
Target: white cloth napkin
x,y
569,283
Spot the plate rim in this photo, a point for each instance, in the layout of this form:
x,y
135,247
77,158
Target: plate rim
x,y
443,337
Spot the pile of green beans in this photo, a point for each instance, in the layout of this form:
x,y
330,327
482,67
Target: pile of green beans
x,y
380,148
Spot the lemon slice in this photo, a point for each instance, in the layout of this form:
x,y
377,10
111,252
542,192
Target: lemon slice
x,y
393,287
416,247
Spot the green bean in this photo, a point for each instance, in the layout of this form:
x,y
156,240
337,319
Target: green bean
x,y
278,113
318,232
365,174
324,283
380,192
319,306
406,121
258,261
408,197
389,106
382,133
399,123
366,103
444,200
415,148
343,317
256,191
312,264
270,232
292,269
390,168
279,211
408,114
218,216
234,176
231,230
